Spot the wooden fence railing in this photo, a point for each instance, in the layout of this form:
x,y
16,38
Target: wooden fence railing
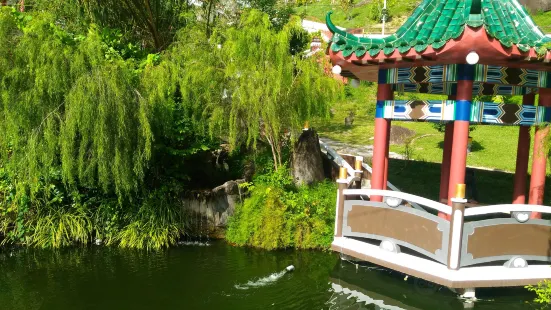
x,y
488,234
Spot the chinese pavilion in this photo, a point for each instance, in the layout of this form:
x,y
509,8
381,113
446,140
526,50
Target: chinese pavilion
x,y
461,49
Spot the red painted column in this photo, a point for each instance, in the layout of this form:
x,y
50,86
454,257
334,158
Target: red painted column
x,y
446,163
464,97
380,147
523,155
385,180
446,159
539,158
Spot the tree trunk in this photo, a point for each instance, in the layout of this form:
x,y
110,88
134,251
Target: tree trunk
x,y
307,159
152,27
209,13
274,154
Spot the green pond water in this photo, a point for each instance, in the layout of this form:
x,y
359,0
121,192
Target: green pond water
x,y
218,276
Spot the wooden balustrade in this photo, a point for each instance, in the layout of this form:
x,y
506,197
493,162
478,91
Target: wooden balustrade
x,y
456,243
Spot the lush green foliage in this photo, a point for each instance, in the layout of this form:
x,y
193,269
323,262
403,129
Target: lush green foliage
x,y
152,22
280,215
100,138
543,292
272,89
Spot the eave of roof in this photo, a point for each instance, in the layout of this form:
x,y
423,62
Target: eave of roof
x,y
435,23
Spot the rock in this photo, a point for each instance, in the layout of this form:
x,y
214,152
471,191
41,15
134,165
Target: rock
x,y
248,171
212,208
307,163
537,5
349,120
400,135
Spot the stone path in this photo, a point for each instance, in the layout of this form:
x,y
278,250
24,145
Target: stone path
x,y
353,149
367,152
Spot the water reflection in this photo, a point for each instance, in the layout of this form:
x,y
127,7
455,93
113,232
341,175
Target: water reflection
x,y
214,277
366,286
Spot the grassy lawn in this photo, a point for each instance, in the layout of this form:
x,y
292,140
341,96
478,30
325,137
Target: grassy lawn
x,y
494,148
364,14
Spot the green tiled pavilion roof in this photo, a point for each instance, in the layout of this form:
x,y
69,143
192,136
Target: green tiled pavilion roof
x,y
435,22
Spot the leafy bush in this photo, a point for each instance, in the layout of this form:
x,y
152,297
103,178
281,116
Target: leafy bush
x,y
61,227
157,224
543,292
56,218
280,215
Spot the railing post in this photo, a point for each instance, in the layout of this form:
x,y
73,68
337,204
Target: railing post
x,y
456,227
358,171
343,184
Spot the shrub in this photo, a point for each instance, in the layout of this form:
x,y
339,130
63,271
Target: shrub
x,y
543,292
280,215
157,224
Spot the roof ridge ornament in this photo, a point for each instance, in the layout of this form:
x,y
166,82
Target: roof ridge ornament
x,y
435,23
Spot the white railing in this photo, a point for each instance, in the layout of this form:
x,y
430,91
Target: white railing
x,y
343,163
337,158
390,185
506,208
404,196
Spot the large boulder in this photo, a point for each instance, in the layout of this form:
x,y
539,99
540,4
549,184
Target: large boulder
x,y
537,5
307,163
400,135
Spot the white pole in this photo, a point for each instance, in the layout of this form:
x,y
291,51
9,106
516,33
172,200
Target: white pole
x,y
384,16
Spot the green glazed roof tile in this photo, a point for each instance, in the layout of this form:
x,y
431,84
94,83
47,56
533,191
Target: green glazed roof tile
x,y
435,22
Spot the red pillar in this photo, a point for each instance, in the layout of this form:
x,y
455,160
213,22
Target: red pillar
x,y
461,128
446,162
446,159
385,179
523,155
382,129
539,158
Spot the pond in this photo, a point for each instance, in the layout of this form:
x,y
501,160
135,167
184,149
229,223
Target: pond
x,y
218,276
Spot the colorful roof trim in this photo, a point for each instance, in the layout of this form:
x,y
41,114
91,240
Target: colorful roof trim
x,y
435,22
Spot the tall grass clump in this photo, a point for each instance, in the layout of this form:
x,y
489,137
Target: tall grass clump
x,y
158,223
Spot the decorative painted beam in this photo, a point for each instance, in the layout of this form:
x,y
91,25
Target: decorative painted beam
x,y
446,111
433,74
483,74
512,76
448,88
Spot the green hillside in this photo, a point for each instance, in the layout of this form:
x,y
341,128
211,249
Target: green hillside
x,y
366,14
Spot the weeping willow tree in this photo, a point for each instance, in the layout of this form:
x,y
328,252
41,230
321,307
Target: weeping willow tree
x,y
75,128
272,88
153,23
65,107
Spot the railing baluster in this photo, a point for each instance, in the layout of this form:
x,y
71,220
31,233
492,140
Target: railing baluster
x,y
343,184
456,228
358,173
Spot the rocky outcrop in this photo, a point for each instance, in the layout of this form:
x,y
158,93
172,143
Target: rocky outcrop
x,y
400,135
208,211
537,5
307,163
